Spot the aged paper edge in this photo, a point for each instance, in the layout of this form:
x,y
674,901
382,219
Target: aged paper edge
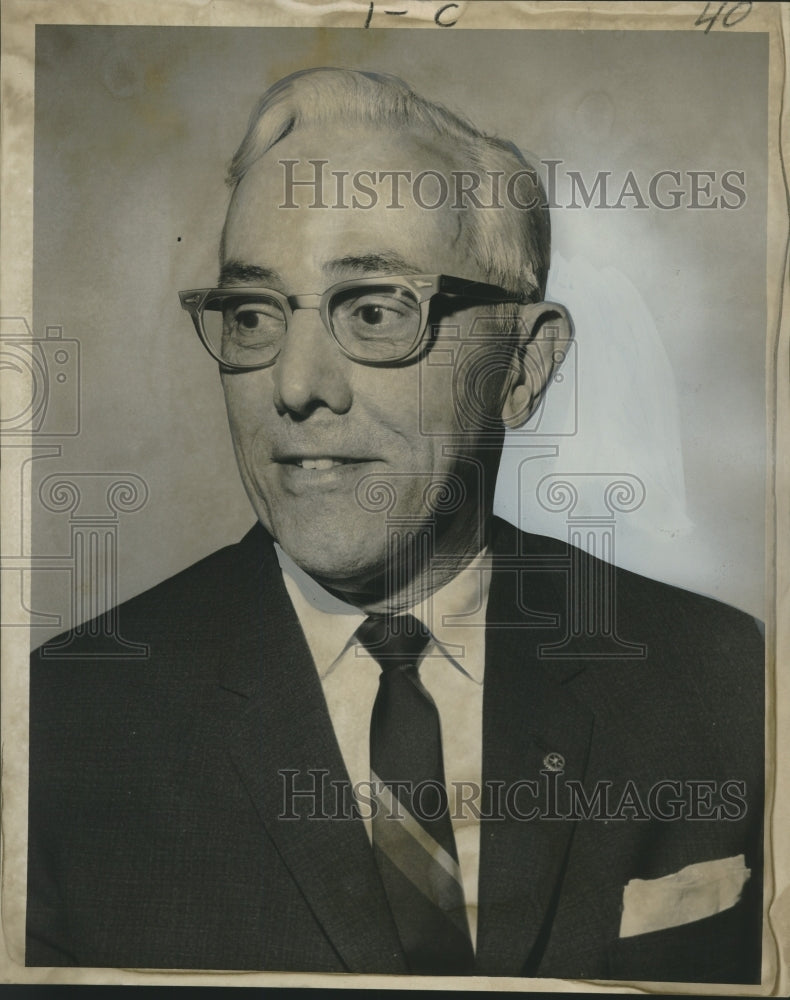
x,y
19,18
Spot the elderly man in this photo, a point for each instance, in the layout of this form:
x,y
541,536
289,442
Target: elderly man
x,y
364,739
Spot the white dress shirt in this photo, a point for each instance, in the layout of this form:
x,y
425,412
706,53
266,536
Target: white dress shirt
x,y
451,671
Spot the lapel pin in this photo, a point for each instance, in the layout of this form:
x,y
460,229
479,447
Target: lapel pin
x,y
554,762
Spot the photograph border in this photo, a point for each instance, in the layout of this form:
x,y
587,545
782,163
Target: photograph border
x,y
19,19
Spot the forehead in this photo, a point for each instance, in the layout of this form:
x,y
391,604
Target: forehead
x,y
354,205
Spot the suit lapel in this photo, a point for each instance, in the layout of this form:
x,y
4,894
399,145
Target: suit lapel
x,y
277,722
529,713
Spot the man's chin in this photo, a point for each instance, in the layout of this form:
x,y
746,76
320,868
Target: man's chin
x,y
332,554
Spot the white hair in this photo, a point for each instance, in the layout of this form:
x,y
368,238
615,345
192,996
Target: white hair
x,y
510,244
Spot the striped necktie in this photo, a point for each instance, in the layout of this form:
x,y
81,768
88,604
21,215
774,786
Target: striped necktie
x,y
413,839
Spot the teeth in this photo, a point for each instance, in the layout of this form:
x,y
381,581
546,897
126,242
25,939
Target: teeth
x,y
319,463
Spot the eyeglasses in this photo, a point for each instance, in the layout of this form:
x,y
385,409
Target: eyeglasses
x,y
375,321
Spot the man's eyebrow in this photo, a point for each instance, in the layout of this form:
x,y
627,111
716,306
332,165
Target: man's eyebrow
x,y
383,261
234,272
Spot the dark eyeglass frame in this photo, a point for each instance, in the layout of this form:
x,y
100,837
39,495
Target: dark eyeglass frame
x,y
422,286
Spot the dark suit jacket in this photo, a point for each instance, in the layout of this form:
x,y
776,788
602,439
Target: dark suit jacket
x,y
156,785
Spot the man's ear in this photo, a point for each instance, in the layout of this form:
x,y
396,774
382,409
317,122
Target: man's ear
x,y
545,330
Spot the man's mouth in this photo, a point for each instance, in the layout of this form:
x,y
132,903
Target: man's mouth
x,y
319,463
322,464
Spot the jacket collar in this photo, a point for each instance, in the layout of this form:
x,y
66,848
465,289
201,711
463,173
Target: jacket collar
x,y
280,738
531,724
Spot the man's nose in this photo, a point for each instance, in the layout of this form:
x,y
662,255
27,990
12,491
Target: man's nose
x,y
310,370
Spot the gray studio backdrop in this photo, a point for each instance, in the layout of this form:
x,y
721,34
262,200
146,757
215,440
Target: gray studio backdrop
x,y
134,477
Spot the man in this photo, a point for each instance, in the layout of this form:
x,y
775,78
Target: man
x,y
372,737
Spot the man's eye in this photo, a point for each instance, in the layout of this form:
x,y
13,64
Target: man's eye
x,y
376,315
256,318
379,313
249,315
248,319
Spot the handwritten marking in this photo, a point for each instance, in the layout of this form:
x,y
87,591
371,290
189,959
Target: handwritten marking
x,y
438,17
728,21
438,14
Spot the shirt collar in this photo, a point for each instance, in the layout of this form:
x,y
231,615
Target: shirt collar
x,y
328,622
455,614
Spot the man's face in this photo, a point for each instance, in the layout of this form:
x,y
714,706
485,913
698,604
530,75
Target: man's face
x,y
406,426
